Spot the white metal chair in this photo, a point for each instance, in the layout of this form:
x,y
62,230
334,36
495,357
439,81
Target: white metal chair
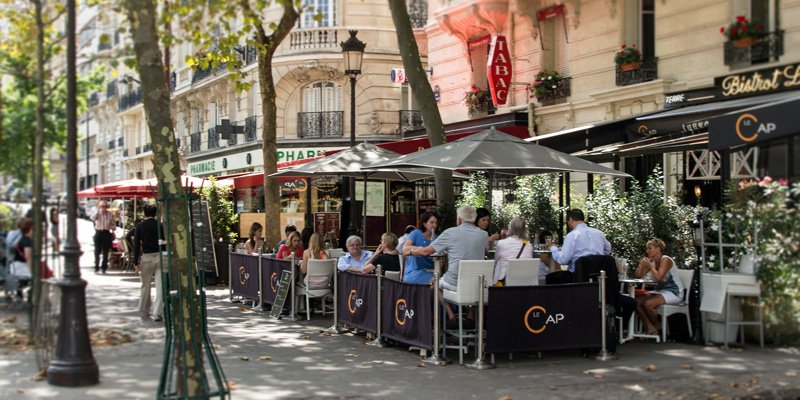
x,y
335,253
685,276
523,272
317,282
466,294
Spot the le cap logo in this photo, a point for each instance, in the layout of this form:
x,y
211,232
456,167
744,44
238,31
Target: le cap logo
x,y
353,302
748,128
243,275
533,318
645,131
273,282
402,312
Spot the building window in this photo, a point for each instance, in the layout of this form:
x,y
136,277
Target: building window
x,y
640,26
324,8
555,45
322,97
478,56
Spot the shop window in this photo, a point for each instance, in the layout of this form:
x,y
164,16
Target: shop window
x,y
324,8
773,159
793,157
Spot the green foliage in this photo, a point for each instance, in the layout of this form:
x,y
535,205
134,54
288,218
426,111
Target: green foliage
x,y
220,207
772,208
8,217
630,219
473,192
536,203
544,83
627,55
477,99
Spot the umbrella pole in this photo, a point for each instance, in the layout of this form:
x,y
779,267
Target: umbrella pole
x,y
490,178
364,211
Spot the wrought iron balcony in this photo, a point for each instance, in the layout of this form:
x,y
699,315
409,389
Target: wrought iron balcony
x,y
765,49
250,132
130,99
112,144
173,81
557,95
125,152
195,142
418,12
201,74
647,71
410,120
314,38
111,89
138,150
94,99
213,138
147,147
326,124
233,139
249,55
120,141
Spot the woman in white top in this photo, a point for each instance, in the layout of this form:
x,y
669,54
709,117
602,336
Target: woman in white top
x,y
511,248
668,289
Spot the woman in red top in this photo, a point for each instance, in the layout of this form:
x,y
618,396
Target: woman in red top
x,y
292,246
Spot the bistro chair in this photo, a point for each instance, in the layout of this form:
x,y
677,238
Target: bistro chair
x,y
335,253
396,275
686,276
317,283
466,294
523,272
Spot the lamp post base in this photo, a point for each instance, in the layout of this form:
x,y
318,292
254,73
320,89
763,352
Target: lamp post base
x,y
73,373
73,364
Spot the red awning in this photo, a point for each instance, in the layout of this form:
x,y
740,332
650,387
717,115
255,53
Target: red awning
x,y
254,179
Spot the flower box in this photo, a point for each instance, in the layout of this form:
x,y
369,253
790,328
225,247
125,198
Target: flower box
x,y
631,66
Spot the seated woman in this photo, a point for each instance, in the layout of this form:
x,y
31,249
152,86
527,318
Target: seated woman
x,y
385,255
355,259
668,289
546,263
254,240
292,246
420,269
515,246
315,251
483,220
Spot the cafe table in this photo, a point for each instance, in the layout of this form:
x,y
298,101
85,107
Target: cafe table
x,y
633,284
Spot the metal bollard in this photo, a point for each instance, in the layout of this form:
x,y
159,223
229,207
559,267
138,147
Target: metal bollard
x,y
435,358
378,341
261,281
604,355
480,363
292,315
335,329
230,273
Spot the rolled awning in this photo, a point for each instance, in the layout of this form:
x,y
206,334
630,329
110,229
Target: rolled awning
x,y
753,125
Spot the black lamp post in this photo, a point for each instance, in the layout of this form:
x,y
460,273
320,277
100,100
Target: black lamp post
x,y
353,52
694,293
73,363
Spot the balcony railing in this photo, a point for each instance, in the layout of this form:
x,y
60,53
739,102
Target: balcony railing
x,y
147,147
213,138
125,152
410,120
130,100
647,71
767,48
94,99
138,150
325,124
201,74
111,89
314,38
558,95
120,141
418,12
250,132
195,142
233,139
112,144
249,55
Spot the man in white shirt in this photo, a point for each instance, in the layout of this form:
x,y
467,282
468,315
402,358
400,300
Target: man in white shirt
x,y
580,241
104,227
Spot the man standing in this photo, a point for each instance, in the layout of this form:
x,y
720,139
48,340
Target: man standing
x,y
146,257
104,227
580,241
463,242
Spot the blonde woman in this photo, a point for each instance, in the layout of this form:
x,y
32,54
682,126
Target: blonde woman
x,y
292,246
315,251
668,289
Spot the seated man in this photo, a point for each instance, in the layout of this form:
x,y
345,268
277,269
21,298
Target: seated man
x,y
355,259
580,241
465,241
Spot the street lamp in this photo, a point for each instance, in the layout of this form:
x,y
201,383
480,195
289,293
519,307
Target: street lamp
x,y
73,363
353,52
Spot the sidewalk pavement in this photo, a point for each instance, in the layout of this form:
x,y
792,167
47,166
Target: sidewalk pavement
x,y
304,364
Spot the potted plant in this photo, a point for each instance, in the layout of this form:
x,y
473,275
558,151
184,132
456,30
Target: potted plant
x,y
628,58
743,32
477,100
545,83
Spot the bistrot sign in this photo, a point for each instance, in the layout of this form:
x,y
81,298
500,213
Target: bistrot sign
x,y
498,70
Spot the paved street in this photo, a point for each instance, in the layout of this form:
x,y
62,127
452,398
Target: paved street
x,y
304,364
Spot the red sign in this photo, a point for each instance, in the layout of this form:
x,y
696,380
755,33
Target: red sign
x,y
498,69
550,12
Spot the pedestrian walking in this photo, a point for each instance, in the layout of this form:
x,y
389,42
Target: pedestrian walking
x,y
103,235
146,257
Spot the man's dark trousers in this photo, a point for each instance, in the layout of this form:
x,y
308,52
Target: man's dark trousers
x,y
102,243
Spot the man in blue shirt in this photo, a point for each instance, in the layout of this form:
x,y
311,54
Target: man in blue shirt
x,y
580,241
355,259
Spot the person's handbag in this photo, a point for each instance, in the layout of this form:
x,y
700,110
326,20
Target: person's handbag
x,y
20,270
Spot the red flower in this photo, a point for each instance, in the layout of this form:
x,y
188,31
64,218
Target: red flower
x,y
741,18
722,30
734,31
638,52
760,27
623,45
744,27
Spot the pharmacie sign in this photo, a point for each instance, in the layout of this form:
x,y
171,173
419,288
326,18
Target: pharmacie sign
x,y
499,70
253,159
762,81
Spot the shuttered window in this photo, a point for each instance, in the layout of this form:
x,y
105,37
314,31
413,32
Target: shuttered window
x,y
322,96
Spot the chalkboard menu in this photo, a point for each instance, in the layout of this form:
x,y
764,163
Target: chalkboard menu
x,y
202,239
326,224
283,292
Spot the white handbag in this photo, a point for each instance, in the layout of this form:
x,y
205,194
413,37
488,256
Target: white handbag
x,y
20,270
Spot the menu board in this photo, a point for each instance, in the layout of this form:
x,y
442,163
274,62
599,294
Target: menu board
x,y
376,197
326,224
202,239
328,195
283,291
402,197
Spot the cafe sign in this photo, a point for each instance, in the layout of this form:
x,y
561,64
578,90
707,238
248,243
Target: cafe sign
x,y
499,70
762,81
